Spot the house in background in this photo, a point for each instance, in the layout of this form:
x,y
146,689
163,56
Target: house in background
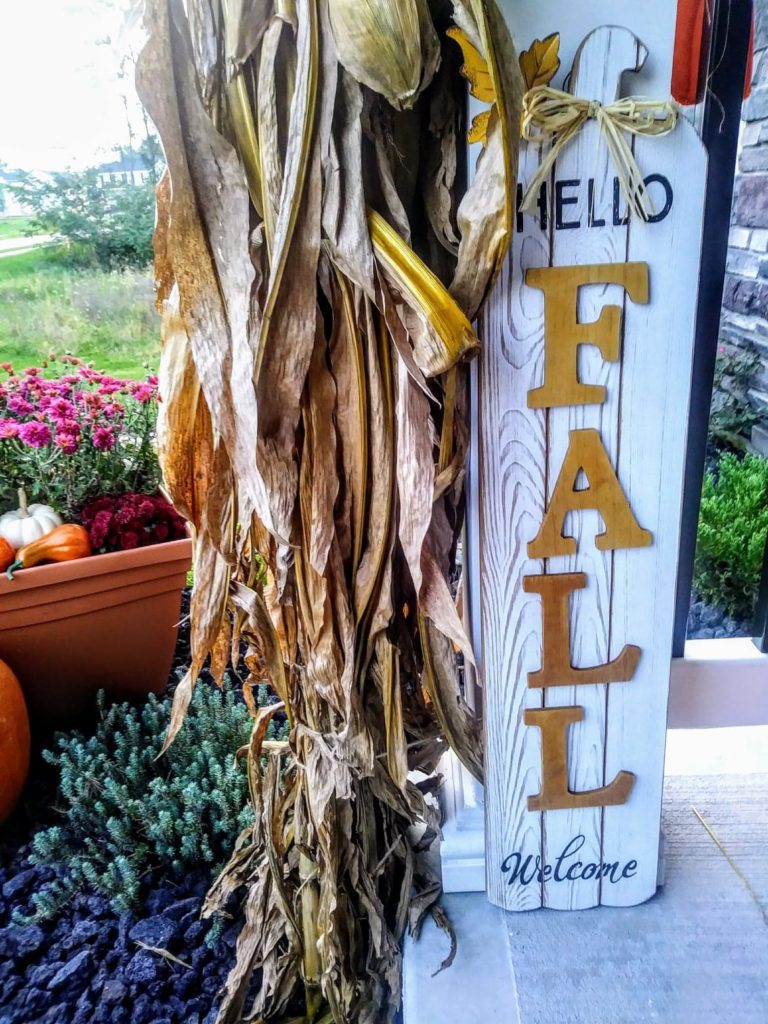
x,y
129,169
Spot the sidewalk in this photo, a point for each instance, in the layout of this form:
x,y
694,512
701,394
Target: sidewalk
x,y
14,246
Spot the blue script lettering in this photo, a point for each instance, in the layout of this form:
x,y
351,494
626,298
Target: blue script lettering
x,y
566,869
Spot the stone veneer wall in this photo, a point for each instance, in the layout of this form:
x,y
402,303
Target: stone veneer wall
x,y
745,301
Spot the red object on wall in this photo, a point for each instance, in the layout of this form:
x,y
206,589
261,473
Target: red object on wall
x,y
689,37
687,69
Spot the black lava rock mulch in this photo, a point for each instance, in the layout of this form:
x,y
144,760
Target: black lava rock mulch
x,y
707,622
90,965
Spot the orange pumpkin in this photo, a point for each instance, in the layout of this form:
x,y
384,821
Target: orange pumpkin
x,y
62,544
7,554
14,741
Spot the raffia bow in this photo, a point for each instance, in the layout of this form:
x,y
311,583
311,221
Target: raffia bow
x,y
550,115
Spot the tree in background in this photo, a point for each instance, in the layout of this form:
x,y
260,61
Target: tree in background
x,y
109,227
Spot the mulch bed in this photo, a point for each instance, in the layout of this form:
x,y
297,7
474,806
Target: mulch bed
x,y
88,965
707,622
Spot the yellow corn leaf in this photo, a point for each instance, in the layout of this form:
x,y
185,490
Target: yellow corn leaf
x,y
540,63
459,726
427,296
475,67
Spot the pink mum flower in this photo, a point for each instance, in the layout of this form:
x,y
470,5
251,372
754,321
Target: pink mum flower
x,y
20,406
104,438
34,434
113,410
68,427
60,409
143,393
8,428
66,442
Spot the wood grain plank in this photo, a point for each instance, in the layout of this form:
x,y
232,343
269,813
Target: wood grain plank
x,y
511,506
599,64
655,400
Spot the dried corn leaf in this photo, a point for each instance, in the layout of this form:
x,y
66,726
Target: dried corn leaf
x,y
441,160
486,213
344,217
314,431
207,242
268,129
348,368
245,22
460,728
415,472
449,337
397,753
298,160
382,44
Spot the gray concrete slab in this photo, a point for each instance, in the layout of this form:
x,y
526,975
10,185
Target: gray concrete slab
x,y
695,954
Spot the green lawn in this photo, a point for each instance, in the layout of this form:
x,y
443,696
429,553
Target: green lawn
x,y
46,306
17,227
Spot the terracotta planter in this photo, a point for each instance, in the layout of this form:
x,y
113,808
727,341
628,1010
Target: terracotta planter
x,y
107,622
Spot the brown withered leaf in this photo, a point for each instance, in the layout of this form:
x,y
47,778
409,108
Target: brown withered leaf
x,y
348,368
486,213
207,241
245,22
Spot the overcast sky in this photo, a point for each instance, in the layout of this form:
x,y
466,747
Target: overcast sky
x,y
60,98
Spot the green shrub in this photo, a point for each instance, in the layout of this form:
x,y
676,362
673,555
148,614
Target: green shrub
x,y
107,227
732,532
126,812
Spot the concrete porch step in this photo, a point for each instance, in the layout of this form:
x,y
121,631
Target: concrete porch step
x,y
696,953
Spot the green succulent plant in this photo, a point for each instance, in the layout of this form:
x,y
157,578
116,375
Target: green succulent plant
x,y
126,811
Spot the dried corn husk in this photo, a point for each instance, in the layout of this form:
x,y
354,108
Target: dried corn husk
x,y
318,274
390,47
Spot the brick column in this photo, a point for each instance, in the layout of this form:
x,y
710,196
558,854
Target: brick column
x,y
745,301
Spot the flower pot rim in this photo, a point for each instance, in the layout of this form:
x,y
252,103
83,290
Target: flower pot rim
x,y
96,565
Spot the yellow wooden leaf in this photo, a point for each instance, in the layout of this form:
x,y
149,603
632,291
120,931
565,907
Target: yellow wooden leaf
x,y
541,62
478,131
474,68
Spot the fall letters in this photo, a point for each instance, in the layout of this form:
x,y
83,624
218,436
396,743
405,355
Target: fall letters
x,y
586,460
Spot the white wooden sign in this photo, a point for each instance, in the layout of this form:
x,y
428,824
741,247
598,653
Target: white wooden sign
x,y
582,402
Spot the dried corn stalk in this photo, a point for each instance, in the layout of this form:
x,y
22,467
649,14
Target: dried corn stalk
x,y
319,264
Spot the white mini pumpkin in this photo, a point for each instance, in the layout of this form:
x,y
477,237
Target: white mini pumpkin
x,y
28,522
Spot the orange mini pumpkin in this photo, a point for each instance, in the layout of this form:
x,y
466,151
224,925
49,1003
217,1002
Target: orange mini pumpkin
x,y
14,741
7,554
